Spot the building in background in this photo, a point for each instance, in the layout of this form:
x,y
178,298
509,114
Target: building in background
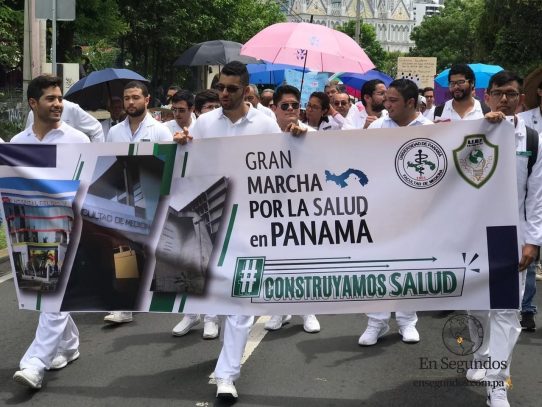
x,y
393,20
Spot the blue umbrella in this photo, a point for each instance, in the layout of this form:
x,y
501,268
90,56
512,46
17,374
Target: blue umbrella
x,y
93,91
482,73
357,80
268,73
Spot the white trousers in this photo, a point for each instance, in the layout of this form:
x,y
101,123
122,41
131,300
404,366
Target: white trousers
x,y
56,333
236,330
501,332
380,319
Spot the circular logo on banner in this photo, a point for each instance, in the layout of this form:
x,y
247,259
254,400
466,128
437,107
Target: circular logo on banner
x,y
462,334
421,163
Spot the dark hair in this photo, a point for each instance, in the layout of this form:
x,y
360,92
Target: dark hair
x,y
185,95
285,90
175,88
324,99
369,88
39,83
503,77
236,68
209,95
138,85
427,89
407,88
462,69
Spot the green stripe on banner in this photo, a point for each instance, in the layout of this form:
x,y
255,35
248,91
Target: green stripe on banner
x,y
162,302
77,166
166,152
80,169
184,163
183,301
38,302
131,149
228,235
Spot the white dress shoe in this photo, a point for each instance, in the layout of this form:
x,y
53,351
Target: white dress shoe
x,y
188,322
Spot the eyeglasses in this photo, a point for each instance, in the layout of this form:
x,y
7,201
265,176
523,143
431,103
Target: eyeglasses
x,y
340,103
249,98
460,82
176,110
286,106
210,107
230,88
497,94
313,107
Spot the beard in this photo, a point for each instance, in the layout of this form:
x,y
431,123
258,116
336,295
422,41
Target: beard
x,y
462,94
377,107
135,113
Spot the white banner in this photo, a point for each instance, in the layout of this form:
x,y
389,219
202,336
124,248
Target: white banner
x,y
421,218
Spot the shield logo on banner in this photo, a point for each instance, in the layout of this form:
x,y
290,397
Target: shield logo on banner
x,y
476,159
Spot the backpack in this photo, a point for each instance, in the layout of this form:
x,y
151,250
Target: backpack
x,y
532,147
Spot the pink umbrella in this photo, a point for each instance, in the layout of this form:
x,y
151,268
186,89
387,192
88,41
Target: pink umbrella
x,y
308,45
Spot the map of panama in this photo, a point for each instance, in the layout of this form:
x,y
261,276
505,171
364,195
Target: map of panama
x,y
340,180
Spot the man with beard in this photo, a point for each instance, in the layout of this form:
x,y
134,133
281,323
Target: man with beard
x,y
234,118
373,95
138,125
57,339
463,105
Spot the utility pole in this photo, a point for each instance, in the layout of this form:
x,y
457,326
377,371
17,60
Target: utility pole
x,y
32,53
358,16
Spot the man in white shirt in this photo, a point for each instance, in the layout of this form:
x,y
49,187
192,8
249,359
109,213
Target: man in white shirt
x,y
182,106
401,101
373,94
341,102
463,105
115,110
253,97
502,327
57,339
74,116
321,115
429,95
234,118
533,117
139,124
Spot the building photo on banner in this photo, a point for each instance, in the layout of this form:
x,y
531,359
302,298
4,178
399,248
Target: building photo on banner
x,y
270,225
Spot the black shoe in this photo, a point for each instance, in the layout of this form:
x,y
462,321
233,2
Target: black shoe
x,y
527,322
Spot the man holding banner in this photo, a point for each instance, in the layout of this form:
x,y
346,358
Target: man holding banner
x,y
502,327
57,339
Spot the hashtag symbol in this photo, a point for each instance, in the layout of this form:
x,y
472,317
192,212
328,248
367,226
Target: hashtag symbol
x,y
248,276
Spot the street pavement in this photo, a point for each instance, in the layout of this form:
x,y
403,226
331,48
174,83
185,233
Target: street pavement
x,y
142,364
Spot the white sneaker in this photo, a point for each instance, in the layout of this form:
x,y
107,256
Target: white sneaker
x,y
188,322
276,322
118,317
225,389
311,324
28,377
61,360
497,397
210,330
371,335
476,375
410,334
538,272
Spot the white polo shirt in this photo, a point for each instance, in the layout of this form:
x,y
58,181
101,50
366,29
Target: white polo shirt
x,y
216,124
448,113
63,134
265,110
532,118
73,115
386,122
149,129
174,127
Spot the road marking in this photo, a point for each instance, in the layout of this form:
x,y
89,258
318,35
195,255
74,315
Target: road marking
x,y
5,278
257,333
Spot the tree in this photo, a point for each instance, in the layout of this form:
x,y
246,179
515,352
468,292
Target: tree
x,y
451,36
368,42
11,36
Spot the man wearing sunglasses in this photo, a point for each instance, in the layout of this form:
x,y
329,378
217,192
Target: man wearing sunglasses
x,y
341,102
463,105
286,107
233,118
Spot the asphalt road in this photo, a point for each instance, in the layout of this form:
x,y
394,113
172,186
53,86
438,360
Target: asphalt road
x,y
142,364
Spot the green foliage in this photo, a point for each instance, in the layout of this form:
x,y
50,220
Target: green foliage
x,y
102,55
11,36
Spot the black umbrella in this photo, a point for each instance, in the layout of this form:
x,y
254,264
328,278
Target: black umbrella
x,y
217,52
